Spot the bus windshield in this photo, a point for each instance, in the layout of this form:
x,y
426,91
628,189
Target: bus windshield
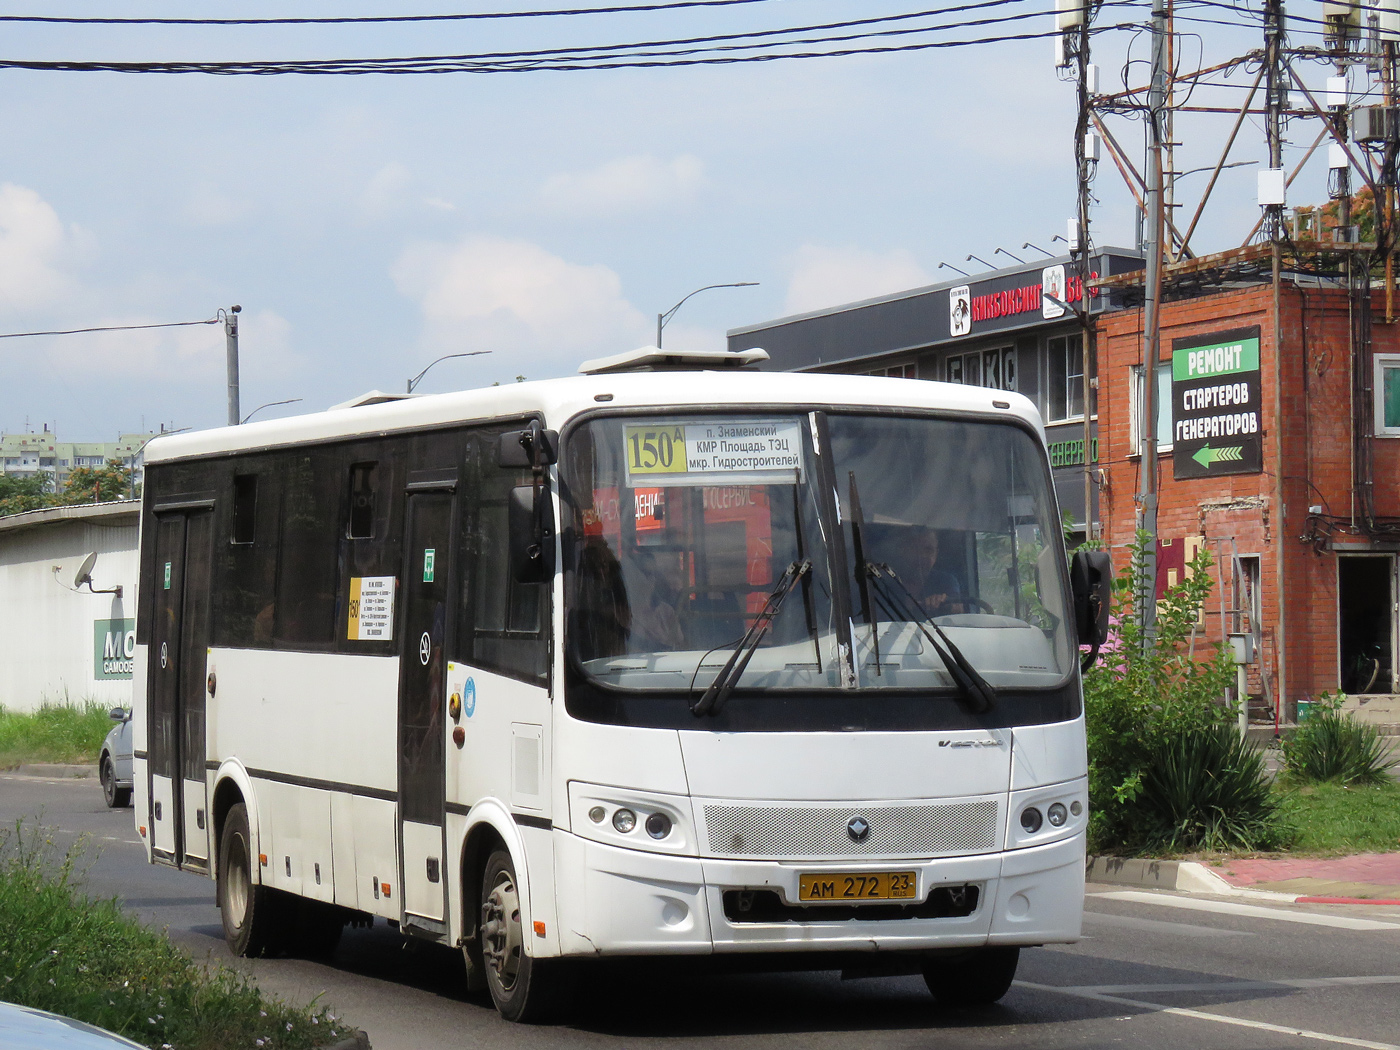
x,y
925,531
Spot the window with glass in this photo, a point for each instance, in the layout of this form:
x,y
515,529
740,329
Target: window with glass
x,y
1162,408
1387,395
1065,389
698,539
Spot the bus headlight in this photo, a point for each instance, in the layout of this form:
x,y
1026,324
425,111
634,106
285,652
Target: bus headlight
x,y
1057,815
1031,820
617,817
658,825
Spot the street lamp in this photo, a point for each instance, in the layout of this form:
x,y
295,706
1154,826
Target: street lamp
x,y
270,404
412,383
662,320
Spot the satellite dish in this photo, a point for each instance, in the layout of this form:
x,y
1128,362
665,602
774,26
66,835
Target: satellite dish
x,y
84,574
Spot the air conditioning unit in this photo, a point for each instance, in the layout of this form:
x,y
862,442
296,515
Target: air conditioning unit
x,y
1372,123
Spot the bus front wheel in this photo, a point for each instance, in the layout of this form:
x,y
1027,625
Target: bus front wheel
x,y
523,988
250,911
973,978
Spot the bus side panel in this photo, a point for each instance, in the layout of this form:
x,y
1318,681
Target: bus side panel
x,y
376,855
140,767
328,717
1048,754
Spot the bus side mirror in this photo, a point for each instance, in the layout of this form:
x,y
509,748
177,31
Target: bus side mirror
x,y
1091,582
531,524
534,447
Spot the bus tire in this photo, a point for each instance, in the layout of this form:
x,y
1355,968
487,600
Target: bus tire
x,y
253,915
974,978
524,989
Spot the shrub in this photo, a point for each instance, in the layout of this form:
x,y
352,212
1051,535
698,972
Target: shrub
x,y
1150,708
62,952
1207,789
1333,746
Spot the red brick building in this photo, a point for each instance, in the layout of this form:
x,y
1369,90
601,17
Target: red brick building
x,y
1307,556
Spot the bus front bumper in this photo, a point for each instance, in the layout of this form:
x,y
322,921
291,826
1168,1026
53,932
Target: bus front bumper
x,y
614,901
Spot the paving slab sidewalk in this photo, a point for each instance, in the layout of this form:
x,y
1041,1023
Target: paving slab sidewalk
x,y
1362,878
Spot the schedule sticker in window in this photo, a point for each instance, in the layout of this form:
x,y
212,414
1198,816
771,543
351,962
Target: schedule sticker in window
x,y
728,451
371,609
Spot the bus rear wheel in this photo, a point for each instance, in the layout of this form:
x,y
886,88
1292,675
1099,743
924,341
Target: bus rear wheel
x,y
524,989
252,915
973,978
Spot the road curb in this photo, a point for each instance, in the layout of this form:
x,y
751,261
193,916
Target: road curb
x,y
52,770
1191,876
1184,876
359,1040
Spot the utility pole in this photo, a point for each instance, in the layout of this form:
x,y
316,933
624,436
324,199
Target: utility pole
x,y
231,348
1276,101
1085,163
1152,323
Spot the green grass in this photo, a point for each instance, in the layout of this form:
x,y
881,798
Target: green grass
x,y
83,958
53,733
1335,819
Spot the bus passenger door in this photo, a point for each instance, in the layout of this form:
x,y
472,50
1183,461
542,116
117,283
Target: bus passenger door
x,y
176,698
423,664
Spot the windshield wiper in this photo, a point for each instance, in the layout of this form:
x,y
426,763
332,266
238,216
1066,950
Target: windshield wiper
x,y
980,694
857,540
729,675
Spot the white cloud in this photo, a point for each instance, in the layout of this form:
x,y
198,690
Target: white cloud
x,y
823,276
627,184
209,205
34,248
543,313
386,191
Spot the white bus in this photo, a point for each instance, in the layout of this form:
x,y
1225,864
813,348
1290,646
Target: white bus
x,y
671,658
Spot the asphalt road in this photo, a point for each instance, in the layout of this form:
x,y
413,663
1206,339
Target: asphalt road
x,y
1153,971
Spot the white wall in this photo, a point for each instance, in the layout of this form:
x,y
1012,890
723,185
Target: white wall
x,y
46,630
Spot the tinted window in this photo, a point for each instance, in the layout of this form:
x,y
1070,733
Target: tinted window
x,y
504,624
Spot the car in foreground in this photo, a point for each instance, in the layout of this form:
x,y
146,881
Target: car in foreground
x,y
114,763
24,1028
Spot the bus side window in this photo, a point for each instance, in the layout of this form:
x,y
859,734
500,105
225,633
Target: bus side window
x,y
504,623
245,568
306,578
362,496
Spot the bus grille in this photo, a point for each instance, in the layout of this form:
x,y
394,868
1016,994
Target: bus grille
x,y
822,831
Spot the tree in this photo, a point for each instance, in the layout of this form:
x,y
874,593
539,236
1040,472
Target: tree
x,y
20,494
98,484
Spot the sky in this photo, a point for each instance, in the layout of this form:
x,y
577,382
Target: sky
x,y
368,224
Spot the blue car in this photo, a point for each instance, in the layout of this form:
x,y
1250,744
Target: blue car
x,y
23,1028
114,765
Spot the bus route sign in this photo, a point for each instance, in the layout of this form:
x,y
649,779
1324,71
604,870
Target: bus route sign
x,y
371,616
1217,405
724,451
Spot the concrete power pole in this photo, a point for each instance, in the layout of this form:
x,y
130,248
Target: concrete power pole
x,y
1152,323
231,347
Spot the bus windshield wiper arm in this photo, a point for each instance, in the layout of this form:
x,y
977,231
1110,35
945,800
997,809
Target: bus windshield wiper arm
x,y
729,675
980,694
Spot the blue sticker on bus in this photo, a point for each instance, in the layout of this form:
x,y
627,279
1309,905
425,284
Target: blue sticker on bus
x,y
469,697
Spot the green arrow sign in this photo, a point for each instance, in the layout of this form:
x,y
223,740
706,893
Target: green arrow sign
x,y
1205,455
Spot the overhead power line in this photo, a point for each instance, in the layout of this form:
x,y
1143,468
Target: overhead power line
x,y
110,328
376,19
650,53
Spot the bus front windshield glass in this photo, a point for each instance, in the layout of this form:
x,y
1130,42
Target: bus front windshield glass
x,y
693,536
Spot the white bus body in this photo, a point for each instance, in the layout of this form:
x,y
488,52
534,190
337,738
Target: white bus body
x,y
347,703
